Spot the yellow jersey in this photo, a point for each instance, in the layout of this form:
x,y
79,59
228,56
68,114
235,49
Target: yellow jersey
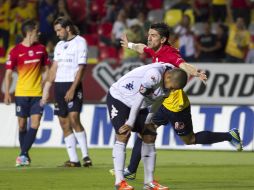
x,y
176,101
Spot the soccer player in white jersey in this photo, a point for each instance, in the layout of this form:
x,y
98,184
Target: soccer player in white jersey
x,y
127,101
70,57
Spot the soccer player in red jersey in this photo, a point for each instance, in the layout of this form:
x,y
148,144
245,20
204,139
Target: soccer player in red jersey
x,y
30,59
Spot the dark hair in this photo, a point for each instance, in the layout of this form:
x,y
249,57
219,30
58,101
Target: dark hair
x,y
64,22
28,26
180,77
163,29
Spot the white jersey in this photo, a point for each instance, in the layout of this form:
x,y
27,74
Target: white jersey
x,y
69,55
146,80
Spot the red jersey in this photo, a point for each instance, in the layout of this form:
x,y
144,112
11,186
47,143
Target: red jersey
x,y
166,54
29,62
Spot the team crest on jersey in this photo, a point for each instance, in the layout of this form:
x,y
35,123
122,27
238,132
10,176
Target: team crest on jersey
x,y
129,86
18,109
66,46
70,104
31,53
179,125
79,95
153,78
142,89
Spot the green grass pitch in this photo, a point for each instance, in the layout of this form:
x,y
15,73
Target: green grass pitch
x,y
185,170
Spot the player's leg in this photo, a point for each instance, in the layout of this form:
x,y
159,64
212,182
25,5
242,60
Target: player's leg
x,y
22,160
148,154
70,143
118,115
22,122
182,123
130,171
80,135
35,113
74,116
61,110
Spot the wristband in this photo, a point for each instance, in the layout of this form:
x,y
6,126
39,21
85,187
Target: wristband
x,y
130,45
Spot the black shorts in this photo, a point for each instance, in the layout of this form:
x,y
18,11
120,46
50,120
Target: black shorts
x,y
180,121
27,106
119,113
62,108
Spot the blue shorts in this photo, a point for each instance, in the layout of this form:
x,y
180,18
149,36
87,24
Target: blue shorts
x,y
180,121
27,106
119,113
62,108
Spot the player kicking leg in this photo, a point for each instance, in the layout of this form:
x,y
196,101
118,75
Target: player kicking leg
x,y
182,123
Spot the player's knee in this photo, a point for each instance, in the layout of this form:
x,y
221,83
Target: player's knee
x,y
122,138
189,139
149,138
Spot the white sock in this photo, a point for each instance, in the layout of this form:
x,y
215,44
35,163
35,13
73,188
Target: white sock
x,y
119,154
70,143
148,154
82,141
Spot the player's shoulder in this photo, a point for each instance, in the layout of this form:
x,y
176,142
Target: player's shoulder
x,y
154,71
40,46
80,41
170,49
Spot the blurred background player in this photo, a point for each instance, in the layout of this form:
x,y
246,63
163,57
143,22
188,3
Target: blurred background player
x,y
127,101
31,60
67,72
175,108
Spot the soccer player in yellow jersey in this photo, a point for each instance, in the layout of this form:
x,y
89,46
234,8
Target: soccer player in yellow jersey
x,y
30,60
176,108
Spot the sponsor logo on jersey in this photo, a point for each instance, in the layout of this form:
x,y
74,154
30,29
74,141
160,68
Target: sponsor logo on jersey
x,y
21,55
39,52
129,86
31,53
31,61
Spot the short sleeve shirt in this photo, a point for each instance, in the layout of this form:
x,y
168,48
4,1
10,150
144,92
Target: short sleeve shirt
x,y
69,55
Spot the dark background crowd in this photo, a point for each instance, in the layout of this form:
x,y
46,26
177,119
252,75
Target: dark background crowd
x,y
215,31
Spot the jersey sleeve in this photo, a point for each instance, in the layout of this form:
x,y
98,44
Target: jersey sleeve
x,y
56,53
82,52
151,79
11,62
175,58
149,52
45,60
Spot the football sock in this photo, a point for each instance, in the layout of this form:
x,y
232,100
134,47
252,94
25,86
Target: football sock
x,y
119,154
22,135
82,140
135,156
28,141
208,137
70,143
149,158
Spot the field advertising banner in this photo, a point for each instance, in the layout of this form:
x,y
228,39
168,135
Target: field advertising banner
x,y
100,133
228,84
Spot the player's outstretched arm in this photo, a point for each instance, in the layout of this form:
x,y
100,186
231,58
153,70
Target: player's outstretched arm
x,y
136,47
192,70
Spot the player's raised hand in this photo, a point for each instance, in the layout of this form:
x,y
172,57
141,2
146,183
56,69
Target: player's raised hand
x,y
124,41
125,129
202,76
